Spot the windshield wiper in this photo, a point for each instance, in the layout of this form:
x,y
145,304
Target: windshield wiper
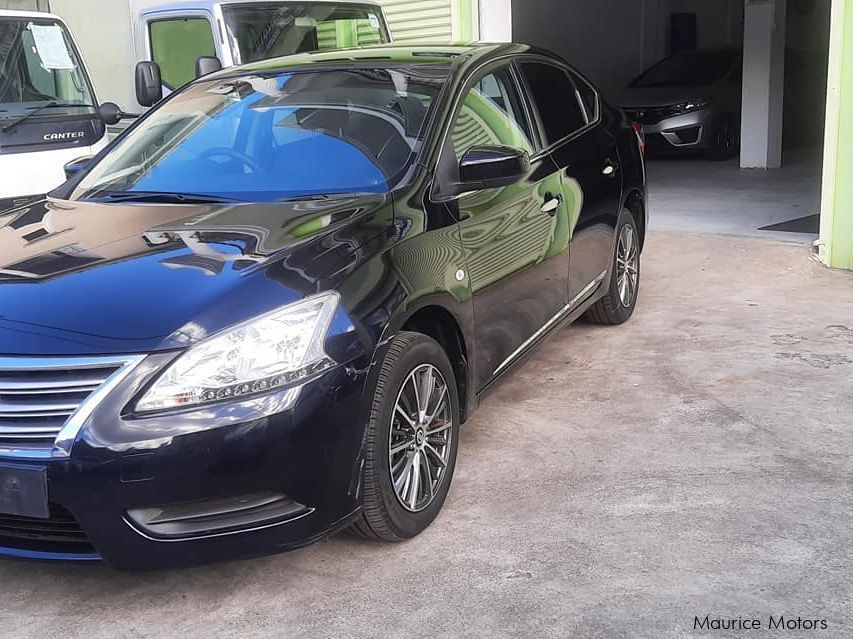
x,y
163,197
324,197
36,110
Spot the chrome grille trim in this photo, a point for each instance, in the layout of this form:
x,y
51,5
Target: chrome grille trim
x,y
44,401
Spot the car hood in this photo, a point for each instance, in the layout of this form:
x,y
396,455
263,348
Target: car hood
x,y
86,278
661,96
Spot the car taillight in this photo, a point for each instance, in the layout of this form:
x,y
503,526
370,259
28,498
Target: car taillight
x,y
641,137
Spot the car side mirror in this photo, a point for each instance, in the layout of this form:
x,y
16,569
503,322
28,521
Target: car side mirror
x,y
206,65
75,166
491,167
149,85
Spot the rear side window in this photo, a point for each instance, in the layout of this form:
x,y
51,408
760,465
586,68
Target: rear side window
x,y
553,93
176,45
588,96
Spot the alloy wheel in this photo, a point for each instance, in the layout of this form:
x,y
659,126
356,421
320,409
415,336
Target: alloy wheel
x,y
420,441
627,265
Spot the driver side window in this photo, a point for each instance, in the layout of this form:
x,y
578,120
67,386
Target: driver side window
x,y
492,114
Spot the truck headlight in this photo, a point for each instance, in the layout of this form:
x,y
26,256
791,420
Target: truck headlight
x,y
276,350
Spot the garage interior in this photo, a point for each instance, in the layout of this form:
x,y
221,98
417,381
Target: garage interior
x,y
785,47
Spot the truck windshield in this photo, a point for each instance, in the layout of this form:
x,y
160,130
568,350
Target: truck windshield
x,y
272,29
40,70
273,137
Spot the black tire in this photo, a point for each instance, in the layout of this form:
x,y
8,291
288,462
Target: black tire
x,y
611,310
725,139
384,518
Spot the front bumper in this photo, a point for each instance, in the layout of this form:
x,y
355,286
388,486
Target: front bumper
x,y
309,453
686,131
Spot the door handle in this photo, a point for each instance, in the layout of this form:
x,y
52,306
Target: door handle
x,y
610,168
552,203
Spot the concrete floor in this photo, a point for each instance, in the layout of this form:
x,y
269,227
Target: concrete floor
x,y
695,461
695,195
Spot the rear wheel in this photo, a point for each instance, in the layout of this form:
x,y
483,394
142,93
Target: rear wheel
x,y
725,139
412,440
618,305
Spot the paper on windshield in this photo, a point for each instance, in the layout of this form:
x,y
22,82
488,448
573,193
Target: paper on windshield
x,y
51,47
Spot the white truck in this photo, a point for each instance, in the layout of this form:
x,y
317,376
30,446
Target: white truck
x,y
49,115
176,35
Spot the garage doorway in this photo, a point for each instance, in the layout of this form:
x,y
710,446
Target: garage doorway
x,y
614,41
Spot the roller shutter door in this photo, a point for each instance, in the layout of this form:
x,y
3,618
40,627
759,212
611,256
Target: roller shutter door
x,y
420,20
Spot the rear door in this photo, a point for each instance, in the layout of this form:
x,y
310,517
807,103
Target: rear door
x,y
570,116
515,238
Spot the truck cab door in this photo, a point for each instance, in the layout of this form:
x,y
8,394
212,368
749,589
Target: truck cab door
x,y
175,40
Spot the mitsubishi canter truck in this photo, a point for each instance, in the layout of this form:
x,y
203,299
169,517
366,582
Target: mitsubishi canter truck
x,y
49,115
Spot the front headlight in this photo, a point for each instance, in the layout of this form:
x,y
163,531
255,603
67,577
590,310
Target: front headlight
x,y
272,351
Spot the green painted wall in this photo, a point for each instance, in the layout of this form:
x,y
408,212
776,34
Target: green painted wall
x,y
836,245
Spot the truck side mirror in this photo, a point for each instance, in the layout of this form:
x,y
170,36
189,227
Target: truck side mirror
x,y
149,85
206,65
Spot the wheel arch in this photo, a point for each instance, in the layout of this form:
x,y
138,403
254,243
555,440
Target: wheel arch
x,y
635,202
437,322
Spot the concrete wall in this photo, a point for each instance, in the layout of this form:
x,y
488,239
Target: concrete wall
x,y
807,37
496,20
612,41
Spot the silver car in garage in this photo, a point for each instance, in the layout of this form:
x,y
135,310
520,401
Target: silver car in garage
x,y
690,101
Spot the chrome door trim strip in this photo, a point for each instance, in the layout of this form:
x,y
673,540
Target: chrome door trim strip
x,y
563,312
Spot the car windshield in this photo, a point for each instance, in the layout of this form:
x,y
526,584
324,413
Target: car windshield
x,y
270,137
273,29
40,69
698,68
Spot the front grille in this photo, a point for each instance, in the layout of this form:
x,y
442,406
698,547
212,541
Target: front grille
x,y
59,533
652,115
38,396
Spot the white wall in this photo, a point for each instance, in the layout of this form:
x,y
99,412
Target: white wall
x,y
763,84
496,20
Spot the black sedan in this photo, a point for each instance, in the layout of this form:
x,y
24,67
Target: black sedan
x,y
262,315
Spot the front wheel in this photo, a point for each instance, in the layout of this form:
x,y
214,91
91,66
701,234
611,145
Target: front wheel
x,y
412,440
618,305
725,139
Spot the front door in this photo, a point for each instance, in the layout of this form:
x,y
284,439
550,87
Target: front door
x,y
515,238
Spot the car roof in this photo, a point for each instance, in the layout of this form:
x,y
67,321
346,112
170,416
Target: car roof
x,y
391,54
